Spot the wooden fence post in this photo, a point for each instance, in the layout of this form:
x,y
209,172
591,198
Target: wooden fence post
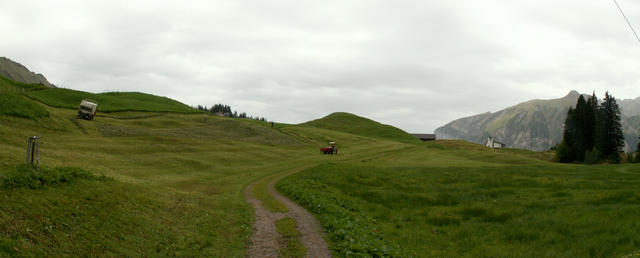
x,y
33,152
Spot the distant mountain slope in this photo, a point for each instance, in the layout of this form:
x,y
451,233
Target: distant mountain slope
x,y
354,124
630,107
535,125
18,72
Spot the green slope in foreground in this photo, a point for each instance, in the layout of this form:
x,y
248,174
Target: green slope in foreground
x,y
175,188
176,181
455,199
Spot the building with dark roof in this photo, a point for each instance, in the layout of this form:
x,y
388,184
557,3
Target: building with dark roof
x,y
425,136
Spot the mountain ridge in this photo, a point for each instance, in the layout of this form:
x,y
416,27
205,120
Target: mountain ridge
x,y
535,125
20,73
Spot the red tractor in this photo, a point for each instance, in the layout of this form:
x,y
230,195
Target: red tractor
x,y
331,149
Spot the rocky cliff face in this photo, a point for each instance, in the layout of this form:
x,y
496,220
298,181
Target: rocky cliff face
x,y
17,72
534,125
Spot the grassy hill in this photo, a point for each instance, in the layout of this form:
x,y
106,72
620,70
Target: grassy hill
x,y
110,101
14,103
175,190
349,123
14,100
174,183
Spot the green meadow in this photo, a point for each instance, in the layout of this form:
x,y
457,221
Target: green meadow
x,y
151,177
472,203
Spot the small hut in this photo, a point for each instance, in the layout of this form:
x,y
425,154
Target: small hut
x,y
491,143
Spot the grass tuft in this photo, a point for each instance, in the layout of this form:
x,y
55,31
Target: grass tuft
x,y
293,247
24,176
261,192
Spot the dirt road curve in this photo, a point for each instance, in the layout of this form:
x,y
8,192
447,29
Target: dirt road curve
x,y
265,240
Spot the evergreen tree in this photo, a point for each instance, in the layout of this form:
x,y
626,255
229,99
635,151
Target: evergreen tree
x,y
638,151
225,110
610,137
580,129
589,122
566,150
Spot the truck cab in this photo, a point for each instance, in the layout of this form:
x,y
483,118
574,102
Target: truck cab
x,y
87,109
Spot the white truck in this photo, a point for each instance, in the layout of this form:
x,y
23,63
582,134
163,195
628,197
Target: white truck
x,y
87,109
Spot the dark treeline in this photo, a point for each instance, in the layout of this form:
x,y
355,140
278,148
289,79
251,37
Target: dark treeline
x,y
592,132
637,159
225,110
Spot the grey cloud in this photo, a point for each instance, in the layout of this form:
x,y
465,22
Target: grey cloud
x,y
412,64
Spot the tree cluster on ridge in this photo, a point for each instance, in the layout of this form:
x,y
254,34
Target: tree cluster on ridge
x,y
592,132
225,110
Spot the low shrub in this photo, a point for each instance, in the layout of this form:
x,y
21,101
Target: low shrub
x,y
629,158
592,156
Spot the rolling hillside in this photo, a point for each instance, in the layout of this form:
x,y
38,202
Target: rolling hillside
x,y
174,180
353,124
13,102
110,101
172,188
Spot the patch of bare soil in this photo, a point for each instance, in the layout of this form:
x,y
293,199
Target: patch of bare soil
x,y
265,240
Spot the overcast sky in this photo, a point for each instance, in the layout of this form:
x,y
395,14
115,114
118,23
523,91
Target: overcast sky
x,y
413,64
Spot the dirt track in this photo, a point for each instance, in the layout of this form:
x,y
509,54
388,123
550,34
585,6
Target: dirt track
x,y
265,240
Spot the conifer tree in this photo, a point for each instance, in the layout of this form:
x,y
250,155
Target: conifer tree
x,y
589,122
566,149
580,128
610,137
638,151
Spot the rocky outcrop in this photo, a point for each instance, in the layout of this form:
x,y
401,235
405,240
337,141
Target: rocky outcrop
x,y
18,72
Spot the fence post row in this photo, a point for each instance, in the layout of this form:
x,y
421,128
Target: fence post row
x,y
33,152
